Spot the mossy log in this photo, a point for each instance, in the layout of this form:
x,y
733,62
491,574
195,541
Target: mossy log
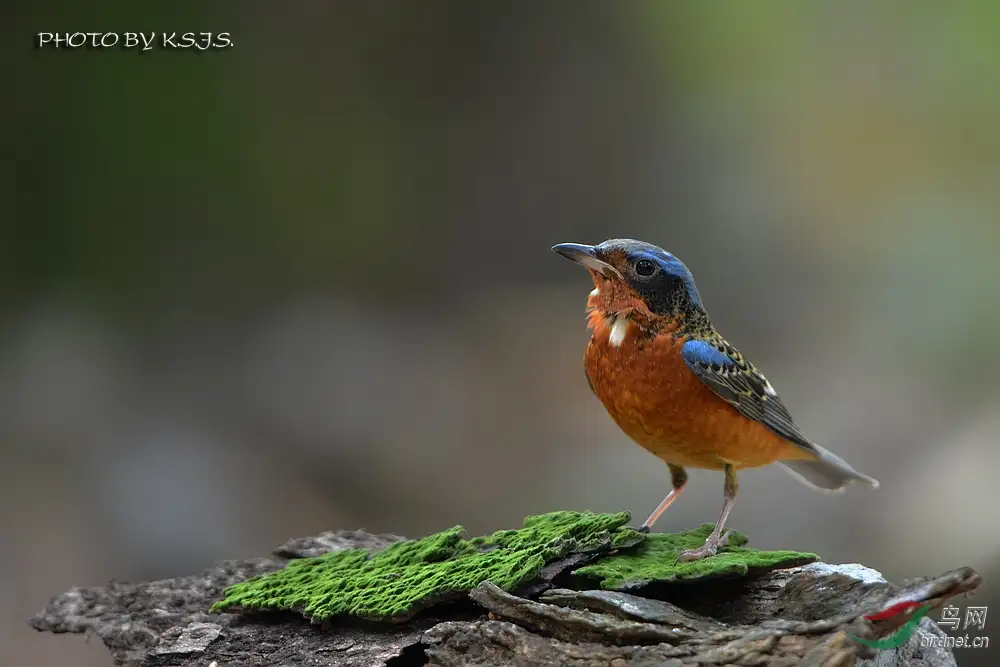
x,y
566,588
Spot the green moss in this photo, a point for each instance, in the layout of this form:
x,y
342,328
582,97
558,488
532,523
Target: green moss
x,y
396,583
653,560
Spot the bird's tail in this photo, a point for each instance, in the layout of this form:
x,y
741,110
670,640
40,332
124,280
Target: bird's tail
x,y
827,472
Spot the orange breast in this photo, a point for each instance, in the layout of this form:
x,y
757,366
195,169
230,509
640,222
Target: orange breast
x,y
658,402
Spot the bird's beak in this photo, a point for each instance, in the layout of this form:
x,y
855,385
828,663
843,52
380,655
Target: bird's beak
x,y
586,255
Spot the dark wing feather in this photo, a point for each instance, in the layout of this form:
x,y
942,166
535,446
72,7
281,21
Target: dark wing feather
x,y
734,379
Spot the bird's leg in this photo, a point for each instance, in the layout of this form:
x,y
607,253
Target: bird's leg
x,y
678,478
716,539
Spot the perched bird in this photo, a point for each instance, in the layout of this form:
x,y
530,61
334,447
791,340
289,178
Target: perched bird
x,y
678,388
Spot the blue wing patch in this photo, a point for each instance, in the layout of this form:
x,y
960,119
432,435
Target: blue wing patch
x,y
735,380
700,353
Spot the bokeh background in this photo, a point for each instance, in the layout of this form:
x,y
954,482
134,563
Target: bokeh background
x,y
305,283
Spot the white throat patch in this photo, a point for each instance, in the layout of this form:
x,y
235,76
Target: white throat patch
x,y
618,330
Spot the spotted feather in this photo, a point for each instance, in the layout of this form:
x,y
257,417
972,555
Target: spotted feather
x,y
734,379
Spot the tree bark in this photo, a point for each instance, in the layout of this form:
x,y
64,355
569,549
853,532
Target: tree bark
x,y
799,616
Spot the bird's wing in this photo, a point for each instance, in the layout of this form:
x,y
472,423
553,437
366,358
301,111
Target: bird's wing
x,y
734,379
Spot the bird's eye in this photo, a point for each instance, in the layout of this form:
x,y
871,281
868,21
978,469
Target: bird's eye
x,y
645,267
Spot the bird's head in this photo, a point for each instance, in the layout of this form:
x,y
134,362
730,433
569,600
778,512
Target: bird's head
x,y
636,277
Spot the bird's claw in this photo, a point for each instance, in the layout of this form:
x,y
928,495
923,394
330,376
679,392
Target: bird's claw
x,y
710,548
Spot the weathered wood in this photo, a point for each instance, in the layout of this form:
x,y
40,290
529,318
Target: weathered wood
x,y
800,616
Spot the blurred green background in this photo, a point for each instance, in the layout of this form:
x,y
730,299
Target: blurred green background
x,y
305,283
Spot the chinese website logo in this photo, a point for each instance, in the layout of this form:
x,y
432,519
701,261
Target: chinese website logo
x,y
951,618
974,619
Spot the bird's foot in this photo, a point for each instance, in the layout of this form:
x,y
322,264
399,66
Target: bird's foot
x,y
710,548
642,529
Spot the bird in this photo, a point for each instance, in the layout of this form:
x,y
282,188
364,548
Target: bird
x,y
676,387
